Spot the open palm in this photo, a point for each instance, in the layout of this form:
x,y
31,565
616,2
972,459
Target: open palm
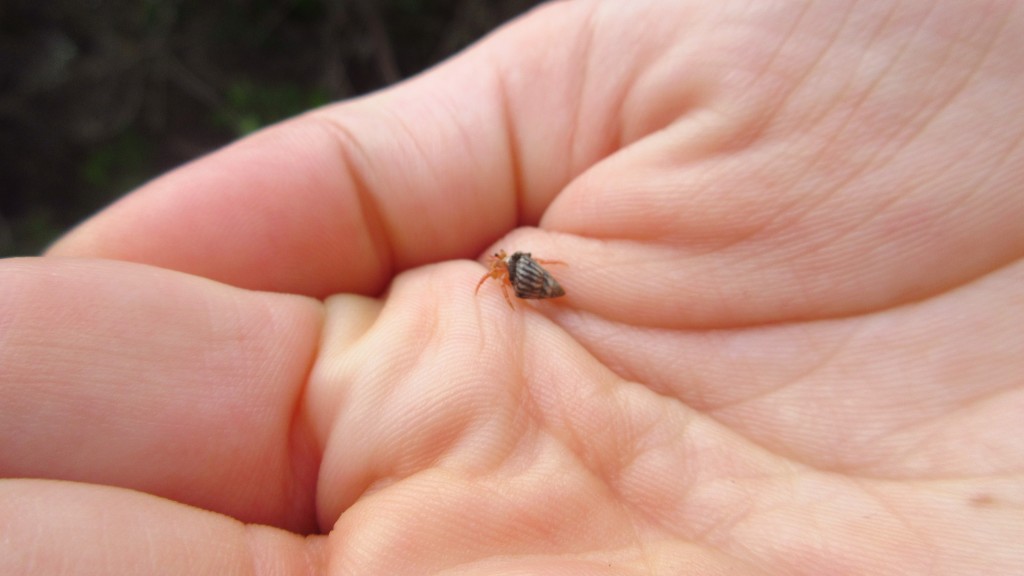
x,y
790,343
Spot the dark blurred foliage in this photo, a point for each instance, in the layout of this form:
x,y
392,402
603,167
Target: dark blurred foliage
x,y
98,96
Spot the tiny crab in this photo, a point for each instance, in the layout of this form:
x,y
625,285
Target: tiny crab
x,y
524,274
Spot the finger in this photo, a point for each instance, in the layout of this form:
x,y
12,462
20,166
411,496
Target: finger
x,y
834,190
907,393
492,442
121,374
49,527
340,198
451,453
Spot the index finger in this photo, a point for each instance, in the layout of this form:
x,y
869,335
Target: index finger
x,y
340,199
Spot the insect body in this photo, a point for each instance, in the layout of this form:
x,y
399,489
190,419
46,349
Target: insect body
x,y
524,274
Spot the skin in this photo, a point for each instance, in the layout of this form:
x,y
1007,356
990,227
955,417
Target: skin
x,y
791,342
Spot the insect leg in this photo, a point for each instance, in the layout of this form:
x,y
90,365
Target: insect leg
x,y
549,262
504,292
481,282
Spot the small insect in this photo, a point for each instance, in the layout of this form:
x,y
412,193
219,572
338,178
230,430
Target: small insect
x,y
524,274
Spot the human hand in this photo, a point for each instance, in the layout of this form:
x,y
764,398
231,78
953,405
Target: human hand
x,y
790,344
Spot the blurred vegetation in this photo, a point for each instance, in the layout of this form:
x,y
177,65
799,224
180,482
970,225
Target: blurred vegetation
x,y
98,96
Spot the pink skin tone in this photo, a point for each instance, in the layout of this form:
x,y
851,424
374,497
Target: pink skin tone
x,y
791,344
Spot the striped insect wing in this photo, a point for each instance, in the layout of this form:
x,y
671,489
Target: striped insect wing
x,y
530,280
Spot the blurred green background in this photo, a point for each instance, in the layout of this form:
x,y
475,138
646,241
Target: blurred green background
x,y
98,96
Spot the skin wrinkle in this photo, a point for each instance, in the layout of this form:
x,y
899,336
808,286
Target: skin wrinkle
x,y
867,90
800,208
771,111
753,234
781,323
916,116
801,79
525,417
893,431
889,156
427,344
512,144
419,204
528,404
606,476
919,442
984,55
882,501
303,442
884,210
617,105
378,229
611,474
711,413
496,87
806,208
1015,145
525,201
350,343
358,484
989,175
301,449
719,534
613,138
941,105
735,241
564,422
778,50
903,302
803,376
582,47
618,480
810,209
928,431
648,558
